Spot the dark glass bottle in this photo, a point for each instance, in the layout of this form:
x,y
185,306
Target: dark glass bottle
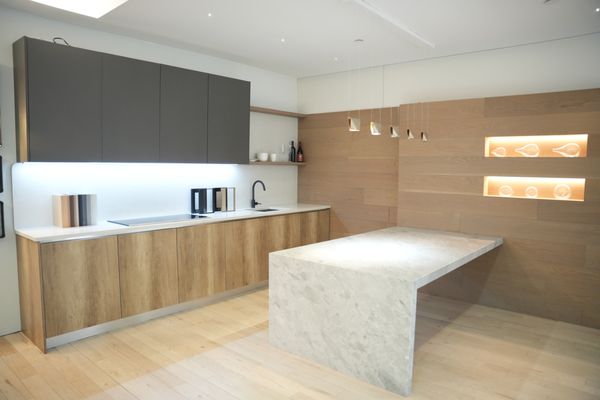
x,y
299,153
292,152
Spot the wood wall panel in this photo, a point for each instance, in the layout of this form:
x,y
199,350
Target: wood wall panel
x,y
357,174
549,265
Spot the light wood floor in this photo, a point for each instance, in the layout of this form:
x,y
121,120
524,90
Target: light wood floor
x,y
222,352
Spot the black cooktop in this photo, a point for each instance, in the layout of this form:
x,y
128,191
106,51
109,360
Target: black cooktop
x,y
156,220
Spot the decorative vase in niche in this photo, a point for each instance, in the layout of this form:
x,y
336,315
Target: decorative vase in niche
x,y
505,191
529,150
562,191
499,152
568,150
531,192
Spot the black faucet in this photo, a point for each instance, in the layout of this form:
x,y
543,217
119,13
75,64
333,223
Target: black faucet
x,y
254,203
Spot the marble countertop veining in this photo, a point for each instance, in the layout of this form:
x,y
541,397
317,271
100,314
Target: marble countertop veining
x,y
416,255
47,234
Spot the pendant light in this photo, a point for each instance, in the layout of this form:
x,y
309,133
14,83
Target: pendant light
x,y
409,134
376,128
353,122
394,129
424,137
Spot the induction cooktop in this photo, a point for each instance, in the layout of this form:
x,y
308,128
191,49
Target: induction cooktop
x,y
157,220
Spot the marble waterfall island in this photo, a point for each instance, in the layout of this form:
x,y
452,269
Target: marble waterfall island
x,y
350,303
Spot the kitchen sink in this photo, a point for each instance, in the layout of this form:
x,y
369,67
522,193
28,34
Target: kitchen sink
x,y
265,209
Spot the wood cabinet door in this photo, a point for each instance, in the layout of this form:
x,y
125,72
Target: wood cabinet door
x,y
64,110
282,232
148,271
228,120
81,284
246,252
323,225
201,261
183,115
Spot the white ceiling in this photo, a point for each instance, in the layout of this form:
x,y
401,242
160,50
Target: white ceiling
x,y
319,34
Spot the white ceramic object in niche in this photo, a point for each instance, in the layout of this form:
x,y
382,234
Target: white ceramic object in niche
x,y
529,150
568,150
499,152
531,192
505,191
562,191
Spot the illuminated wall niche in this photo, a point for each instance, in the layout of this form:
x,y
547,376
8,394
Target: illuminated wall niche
x,y
566,189
566,146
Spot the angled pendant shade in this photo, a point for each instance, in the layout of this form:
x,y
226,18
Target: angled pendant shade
x,y
375,128
353,124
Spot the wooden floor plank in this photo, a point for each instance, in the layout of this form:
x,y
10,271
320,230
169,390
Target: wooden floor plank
x,y
222,351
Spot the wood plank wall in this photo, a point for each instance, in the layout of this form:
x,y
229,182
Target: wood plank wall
x,y
357,174
549,265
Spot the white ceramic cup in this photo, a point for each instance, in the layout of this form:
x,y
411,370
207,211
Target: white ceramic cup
x,y
273,157
262,156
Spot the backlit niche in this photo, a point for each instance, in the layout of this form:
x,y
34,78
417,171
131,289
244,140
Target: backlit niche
x,y
565,146
558,146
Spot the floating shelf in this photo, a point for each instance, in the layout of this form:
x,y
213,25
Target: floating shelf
x,y
272,111
297,164
562,146
565,189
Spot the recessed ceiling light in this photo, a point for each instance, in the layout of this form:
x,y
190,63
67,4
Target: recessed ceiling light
x,y
210,14
282,40
91,8
597,9
335,59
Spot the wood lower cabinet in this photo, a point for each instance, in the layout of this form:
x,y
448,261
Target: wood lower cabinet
x,y
148,271
201,261
66,286
314,227
80,283
246,252
74,284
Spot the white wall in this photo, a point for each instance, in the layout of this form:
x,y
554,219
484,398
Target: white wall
x,y
125,189
546,67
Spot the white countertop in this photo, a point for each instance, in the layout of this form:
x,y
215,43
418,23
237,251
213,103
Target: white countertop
x,y
415,255
46,234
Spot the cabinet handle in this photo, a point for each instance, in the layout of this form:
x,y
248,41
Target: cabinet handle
x,y
2,232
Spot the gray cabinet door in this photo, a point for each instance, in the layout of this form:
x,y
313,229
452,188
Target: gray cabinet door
x,y
228,120
183,115
64,111
130,110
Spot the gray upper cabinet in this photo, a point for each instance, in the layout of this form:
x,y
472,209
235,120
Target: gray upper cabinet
x,y
183,115
73,104
228,120
130,110
57,95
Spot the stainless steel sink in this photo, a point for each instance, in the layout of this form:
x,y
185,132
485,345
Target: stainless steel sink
x,y
265,209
